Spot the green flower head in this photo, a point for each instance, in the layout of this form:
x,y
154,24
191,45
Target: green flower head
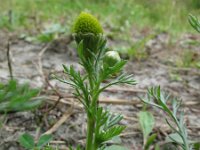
x,y
87,23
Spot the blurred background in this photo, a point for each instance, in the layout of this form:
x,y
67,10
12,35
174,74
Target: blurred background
x,y
116,16
132,23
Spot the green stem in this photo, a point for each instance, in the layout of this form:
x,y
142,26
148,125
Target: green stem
x,y
185,143
91,82
90,132
91,135
185,140
90,120
95,145
95,106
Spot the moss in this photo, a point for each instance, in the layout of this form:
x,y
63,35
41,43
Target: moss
x,y
87,23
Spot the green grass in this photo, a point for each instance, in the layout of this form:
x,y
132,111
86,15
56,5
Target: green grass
x,y
117,15
48,18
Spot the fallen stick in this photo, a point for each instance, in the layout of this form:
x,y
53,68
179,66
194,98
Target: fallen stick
x,y
114,89
9,60
39,67
65,116
126,89
119,101
104,100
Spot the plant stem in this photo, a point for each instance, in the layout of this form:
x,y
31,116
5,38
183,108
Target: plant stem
x,y
91,142
185,143
90,131
95,146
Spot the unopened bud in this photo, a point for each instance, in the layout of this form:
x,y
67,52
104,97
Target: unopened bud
x,y
111,58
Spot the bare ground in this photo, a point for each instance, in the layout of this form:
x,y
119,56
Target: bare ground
x,y
34,62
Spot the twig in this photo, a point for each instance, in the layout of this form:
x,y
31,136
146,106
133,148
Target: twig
x,y
39,66
10,16
67,101
10,13
125,89
57,142
57,93
119,101
128,134
114,89
9,60
66,115
103,100
37,134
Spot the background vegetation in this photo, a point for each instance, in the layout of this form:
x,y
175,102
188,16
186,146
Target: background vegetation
x,y
115,15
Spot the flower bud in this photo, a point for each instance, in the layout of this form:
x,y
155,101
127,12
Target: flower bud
x,y
111,58
87,23
88,30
